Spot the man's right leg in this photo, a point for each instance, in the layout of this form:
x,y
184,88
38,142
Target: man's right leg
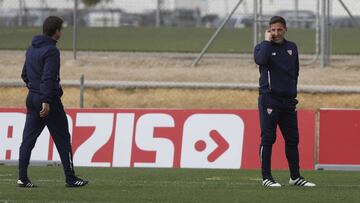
x,y
269,116
58,127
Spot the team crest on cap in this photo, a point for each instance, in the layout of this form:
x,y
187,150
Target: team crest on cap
x,y
269,111
289,52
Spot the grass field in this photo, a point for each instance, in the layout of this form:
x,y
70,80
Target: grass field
x,y
174,39
176,185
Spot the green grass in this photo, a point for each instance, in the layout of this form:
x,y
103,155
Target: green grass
x,y
171,39
176,185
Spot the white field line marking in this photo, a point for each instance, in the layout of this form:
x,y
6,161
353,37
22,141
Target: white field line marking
x,y
6,175
41,180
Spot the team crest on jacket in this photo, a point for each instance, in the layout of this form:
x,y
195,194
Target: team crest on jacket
x,y
269,111
290,52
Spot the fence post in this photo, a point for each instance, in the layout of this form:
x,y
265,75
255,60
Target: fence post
x,y
75,27
325,34
255,23
82,88
158,13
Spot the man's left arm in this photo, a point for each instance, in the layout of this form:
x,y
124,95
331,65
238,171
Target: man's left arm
x,y
49,75
297,66
24,75
48,80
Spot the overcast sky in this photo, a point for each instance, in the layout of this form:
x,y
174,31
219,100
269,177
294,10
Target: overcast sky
x,y
220,7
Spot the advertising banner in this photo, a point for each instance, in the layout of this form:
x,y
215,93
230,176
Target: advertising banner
x,y
339,137
173,138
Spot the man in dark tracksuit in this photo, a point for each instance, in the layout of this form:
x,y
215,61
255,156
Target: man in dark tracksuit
x,y
41,73
278,62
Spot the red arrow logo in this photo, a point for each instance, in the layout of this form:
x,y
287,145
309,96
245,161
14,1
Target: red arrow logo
x,y
223,145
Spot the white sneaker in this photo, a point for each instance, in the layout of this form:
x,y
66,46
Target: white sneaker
x,y
270,183
301,182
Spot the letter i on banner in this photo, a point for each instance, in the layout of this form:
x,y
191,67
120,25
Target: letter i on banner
x,y
123,139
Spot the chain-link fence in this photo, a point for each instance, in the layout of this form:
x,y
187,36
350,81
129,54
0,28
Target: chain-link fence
x,y
186,25
116,13
183,26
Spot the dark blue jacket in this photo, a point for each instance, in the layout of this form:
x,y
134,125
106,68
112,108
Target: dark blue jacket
x,y
41,71
279,68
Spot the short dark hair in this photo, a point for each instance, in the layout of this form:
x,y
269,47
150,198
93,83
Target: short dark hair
x,y
51,25
277,19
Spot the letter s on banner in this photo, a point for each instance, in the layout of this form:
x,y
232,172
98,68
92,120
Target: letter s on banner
x,y
212,141
145,139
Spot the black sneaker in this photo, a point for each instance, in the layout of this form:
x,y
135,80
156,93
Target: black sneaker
x,y
26,183
76,182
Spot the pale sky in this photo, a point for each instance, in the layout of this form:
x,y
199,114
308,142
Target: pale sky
x,y
220,7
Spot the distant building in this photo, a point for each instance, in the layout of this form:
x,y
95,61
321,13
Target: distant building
x,y
202,5
102,17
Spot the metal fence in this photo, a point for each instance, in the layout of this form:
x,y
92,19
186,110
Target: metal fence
x,y
208,13
331,25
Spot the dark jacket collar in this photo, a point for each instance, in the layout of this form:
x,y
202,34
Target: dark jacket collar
x,y
42,40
